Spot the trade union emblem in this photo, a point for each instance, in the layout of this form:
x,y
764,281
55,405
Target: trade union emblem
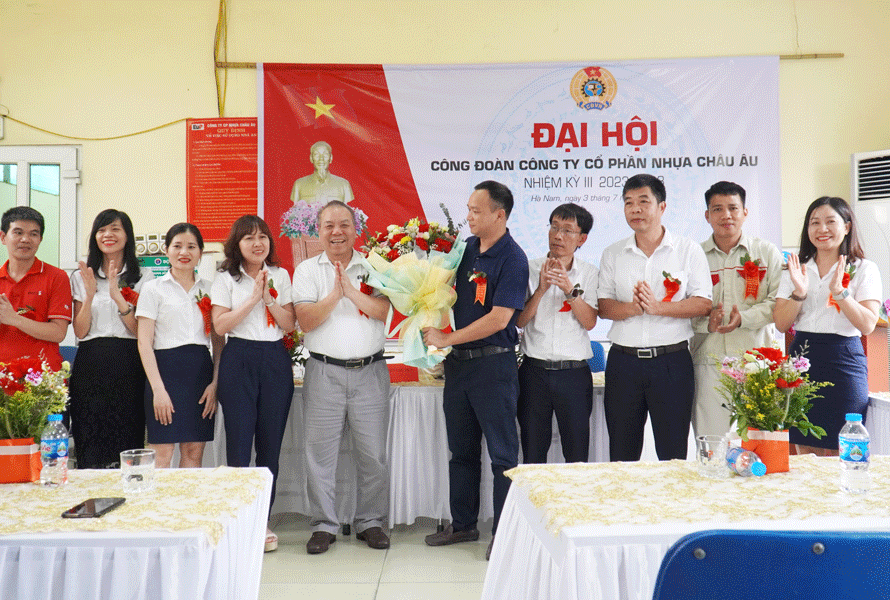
x,y
593,88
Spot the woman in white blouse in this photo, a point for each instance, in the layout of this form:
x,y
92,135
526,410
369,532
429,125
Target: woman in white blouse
x,y
106,403
252,305
174,341
831,294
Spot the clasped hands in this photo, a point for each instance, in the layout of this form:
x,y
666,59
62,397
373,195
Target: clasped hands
x,y
553,273
801,279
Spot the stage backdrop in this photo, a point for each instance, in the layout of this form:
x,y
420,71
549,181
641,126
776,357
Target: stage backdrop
x,y
407,138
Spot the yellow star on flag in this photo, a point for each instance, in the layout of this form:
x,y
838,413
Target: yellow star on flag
x,y
321,108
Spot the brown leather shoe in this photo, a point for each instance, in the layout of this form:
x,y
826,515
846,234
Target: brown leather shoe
x,y
374,537
450,536
320,542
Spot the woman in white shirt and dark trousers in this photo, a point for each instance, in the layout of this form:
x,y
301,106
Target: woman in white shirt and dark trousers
x,y
831,294
175,336
107,380
252,305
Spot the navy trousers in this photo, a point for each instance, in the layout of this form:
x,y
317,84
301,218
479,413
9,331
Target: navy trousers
x,y
480,398
568,393
663,387
255,390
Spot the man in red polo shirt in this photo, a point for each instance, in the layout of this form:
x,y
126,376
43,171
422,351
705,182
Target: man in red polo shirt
x,y
35,298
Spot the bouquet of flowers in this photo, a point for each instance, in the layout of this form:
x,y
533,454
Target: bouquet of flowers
x,y
29,392
302,219
767,390
414,266
293,343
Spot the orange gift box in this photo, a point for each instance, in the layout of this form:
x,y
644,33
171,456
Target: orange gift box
x,y
771,447
399,373
19,461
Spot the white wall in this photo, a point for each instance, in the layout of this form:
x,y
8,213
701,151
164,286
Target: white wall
x,y
100,68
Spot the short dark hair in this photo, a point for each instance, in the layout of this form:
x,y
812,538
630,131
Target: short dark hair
x,y
725,188
95,258
184,228
850,247
244,226
576,212
21,213
499,194
645,180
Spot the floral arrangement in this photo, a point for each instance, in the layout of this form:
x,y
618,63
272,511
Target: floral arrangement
x,y
415,235
750,269
767,390
302,219
414,265
293,343
29,392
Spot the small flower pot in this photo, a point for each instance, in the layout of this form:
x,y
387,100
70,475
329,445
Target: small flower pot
x,y
19,461
771,447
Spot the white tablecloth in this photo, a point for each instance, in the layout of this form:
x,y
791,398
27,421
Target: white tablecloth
x,y
109,558
417,450
609,541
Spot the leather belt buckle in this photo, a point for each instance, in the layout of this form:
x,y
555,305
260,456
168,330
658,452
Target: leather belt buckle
x,y
356,363
646,353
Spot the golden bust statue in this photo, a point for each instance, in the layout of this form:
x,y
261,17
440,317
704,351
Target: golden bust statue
x,y
322,185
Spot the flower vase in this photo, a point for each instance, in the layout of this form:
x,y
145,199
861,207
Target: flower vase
x,y
19,461
771,447
303,247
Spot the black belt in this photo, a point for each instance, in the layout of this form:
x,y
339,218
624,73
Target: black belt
x,y
653,351
467,354
354,363
555,365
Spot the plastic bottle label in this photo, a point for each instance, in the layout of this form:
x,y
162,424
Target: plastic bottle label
x,y
853,450
50,449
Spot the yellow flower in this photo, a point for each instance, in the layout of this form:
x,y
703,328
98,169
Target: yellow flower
x,y
405,240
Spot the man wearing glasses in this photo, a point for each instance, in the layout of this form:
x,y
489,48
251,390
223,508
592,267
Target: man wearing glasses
x,y
554,376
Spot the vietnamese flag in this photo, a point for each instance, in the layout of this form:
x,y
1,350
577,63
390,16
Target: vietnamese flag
x,y
349,107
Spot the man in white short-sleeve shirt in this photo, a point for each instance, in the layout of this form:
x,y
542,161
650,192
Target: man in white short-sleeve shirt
x,y
346,378
651,284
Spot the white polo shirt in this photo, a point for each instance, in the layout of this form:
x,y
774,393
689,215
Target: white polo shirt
x,y
178,320
554,335
228,293
624,264
345,334
106,320
816,316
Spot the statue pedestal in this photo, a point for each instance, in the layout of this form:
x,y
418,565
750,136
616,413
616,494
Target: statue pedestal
x,y
303,247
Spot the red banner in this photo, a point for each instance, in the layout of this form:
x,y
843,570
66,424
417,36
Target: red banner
x,y
221,173
349,107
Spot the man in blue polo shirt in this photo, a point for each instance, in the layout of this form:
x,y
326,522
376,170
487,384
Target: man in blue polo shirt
x,y
481,383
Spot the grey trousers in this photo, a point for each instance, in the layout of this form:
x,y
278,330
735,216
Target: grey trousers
x,y
331,395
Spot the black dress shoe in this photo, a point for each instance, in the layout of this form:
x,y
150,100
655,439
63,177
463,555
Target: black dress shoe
x,y
450,536
320,542
374,537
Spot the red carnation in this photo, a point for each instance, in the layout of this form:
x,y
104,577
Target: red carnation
x,y
751,269
773,355
129,295
423,244
288,342
423,227
392,255
442,245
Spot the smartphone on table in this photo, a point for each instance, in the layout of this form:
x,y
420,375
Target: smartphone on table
x,y
94,507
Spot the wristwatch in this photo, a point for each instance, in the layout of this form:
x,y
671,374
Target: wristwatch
x,y
576,293
840,296
129,310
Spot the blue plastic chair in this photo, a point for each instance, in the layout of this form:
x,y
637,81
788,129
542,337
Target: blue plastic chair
x,y
786,565
598,361
68,353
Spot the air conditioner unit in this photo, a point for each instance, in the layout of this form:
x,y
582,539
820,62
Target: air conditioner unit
x,y
870,198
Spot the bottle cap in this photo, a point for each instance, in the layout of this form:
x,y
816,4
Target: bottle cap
x,y
54,418
758,469
853,417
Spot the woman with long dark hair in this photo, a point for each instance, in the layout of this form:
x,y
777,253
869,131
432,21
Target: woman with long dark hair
x,y
107,379
252,305
175,338
831,294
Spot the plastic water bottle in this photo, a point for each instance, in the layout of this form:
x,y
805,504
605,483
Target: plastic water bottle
x,y
745,463
54,452
853,449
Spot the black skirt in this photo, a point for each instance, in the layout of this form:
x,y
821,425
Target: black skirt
x,y
841,361
106,389
186,372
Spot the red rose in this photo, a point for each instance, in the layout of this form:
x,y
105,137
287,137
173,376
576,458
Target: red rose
x,y
423,244
392,255
751,269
